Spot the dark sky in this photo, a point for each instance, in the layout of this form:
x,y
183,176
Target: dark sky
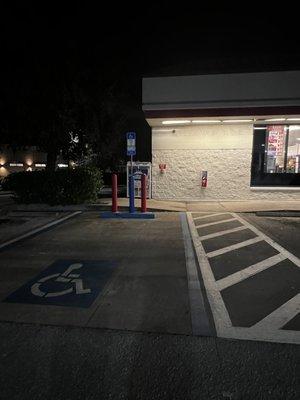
x,y
149,37
143,39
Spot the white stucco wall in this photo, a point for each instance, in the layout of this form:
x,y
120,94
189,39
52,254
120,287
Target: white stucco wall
x,y
224,151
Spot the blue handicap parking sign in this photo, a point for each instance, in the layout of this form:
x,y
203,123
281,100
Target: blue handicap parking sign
x,y
73,283
131,148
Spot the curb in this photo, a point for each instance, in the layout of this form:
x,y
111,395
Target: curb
x,y
279,213
82,208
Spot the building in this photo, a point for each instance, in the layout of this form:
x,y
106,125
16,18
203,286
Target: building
x,y
241,131
26,158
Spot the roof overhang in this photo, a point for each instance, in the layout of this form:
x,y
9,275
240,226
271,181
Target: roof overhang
x,y
222,112
230,95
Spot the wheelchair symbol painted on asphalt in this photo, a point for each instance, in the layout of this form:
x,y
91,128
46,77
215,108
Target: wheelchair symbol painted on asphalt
x,y
67,283
65,277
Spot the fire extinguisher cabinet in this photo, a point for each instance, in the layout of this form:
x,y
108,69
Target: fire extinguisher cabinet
x,y
140,168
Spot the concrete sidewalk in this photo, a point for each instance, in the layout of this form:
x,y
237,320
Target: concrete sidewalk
x,y
167,205
213,206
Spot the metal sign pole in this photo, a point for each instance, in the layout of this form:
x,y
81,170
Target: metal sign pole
x,y
131,151
131,187
131,195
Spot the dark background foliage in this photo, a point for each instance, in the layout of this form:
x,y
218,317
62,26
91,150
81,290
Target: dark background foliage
x,y
76,67
67,186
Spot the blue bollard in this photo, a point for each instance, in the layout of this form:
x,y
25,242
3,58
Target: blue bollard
x,y
131,194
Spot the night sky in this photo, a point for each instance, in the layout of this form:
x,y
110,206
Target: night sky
x,y
124,43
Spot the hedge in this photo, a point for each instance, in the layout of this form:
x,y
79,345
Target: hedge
x,y
64,186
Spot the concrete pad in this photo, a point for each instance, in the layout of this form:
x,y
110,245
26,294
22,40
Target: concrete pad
x,y
104,204
213,206
260,205
152,204
147,292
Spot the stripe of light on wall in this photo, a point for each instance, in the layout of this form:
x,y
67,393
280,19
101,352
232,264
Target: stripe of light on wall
x,y
275,119
230,121
208,121
179,122
162,130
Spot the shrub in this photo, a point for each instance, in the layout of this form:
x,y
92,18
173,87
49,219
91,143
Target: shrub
x,y
65,186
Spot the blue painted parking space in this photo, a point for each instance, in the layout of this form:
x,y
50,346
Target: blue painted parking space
x,y
71,283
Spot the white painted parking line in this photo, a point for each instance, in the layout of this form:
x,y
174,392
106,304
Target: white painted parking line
x,y
215,223
220,313
221,233
249,271
269,328
37,230
209,215
233,247
268,335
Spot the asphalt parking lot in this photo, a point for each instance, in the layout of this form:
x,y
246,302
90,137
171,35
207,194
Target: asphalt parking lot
x,y
127,309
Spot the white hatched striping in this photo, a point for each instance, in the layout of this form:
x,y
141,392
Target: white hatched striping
x,y
221,233
268,329
209,215
269,335
281,316
215,223
220,313
236,246
271,242
249,271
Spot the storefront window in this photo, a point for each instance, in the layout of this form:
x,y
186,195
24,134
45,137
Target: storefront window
x,y
282,149
293,150
276,156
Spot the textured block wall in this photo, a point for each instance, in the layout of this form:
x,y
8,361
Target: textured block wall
x,y
225,151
